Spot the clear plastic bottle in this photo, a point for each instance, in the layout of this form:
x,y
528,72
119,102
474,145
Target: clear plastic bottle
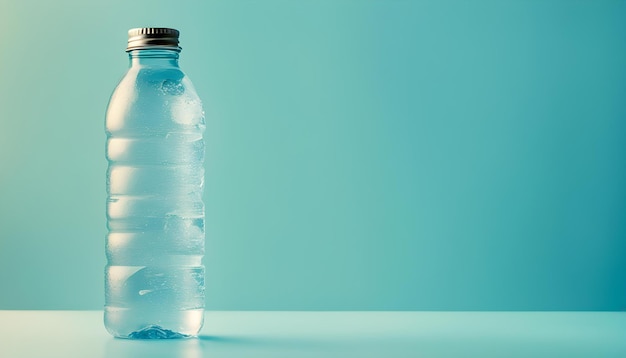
x,y
154,278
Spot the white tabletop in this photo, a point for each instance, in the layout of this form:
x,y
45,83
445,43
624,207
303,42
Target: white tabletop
x,y
35,334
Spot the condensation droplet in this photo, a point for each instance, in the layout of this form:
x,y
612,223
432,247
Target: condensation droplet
x,y
174,88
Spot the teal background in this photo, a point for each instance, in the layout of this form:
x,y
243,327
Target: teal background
x,y
361,155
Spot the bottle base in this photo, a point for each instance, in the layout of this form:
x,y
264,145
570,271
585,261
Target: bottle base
x,y
153,323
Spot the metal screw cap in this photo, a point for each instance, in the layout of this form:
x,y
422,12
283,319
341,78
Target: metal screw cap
x,y
152,37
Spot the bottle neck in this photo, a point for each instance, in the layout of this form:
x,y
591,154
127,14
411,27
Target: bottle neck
x,y
153,57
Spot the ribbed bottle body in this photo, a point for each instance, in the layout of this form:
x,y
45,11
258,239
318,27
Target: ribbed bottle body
x,y
154,278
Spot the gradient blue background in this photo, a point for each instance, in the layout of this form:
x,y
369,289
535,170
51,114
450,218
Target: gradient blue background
x,y
361,155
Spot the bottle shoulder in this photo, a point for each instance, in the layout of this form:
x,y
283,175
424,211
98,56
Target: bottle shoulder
x,y
154,100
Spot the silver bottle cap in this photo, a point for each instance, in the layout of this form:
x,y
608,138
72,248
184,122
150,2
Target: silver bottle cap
x,y
152,37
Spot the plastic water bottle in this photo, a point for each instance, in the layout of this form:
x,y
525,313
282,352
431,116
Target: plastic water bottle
x,y
154,278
